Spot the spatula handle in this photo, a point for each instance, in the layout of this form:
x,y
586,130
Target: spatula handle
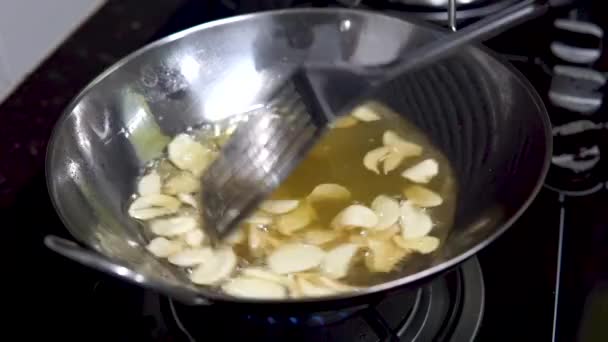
x,y
478,31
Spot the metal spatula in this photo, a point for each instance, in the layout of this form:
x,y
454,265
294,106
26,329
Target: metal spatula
x,y
264,150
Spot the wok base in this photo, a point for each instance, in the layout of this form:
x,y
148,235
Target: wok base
x,y
448,309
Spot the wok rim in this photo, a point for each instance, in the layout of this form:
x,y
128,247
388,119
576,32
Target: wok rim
x,y
213,296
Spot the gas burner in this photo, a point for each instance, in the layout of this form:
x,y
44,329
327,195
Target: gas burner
x,y
449,308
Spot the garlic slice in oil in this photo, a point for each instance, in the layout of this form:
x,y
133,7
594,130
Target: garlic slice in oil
x,y
279,206
344,122
337,261
329,192
256,240
320,236
422,196
260,273
215,269
187,154
236,237
181,183
387,210
173,226
188,199
365,113
392,162
162,247
259,218
154,205
422,172
355,215
254,288
293,221
336,285
402,147
423,245
149,184
374,157
386,233
383,255
309,289
194,238
191,256
415,223
295,257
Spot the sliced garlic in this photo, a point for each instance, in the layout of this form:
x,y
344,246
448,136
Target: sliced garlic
x,y
422,196
390,138
423,245
292,287
344,122
188,199
383,255
191,256
162,248
194,238
293,221
375,156
358,239
216,268
260,273
155,205
182,183
385,234
337,261
392,161
329,192
355,215
319,236
149,213
295,257
309,289
365,113
187,154
415,223
422,172
254,288
149,184
259,218
402,147
256,241
173,226
336,285
273,242
387,210
278,207
236,237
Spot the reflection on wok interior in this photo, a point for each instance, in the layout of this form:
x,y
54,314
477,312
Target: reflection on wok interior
x,y
460,146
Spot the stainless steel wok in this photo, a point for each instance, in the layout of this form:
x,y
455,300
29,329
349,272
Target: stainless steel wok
x,y
485,117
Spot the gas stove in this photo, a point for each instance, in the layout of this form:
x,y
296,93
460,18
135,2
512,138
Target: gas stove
x,y
545,279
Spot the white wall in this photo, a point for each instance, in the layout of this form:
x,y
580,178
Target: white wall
x,y
31,29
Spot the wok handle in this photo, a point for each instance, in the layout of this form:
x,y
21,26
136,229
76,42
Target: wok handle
x,y
92,259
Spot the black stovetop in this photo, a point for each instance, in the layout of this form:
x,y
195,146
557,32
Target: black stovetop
x,y
544,279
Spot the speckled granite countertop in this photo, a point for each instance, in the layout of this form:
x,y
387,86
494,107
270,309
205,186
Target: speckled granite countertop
x,y
27,116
